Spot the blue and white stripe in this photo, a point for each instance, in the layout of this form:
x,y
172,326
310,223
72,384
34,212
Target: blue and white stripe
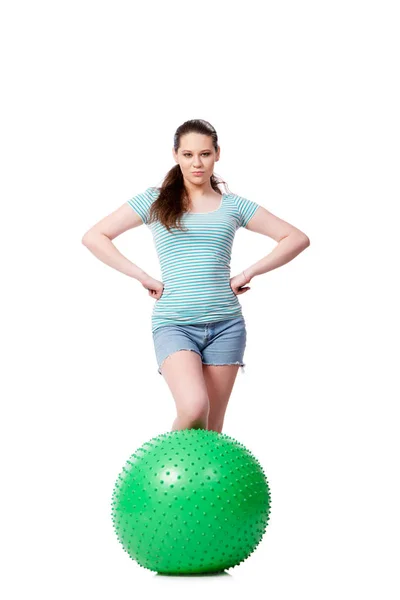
x,y
195,264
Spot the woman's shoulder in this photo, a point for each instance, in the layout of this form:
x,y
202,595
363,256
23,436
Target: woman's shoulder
x,y
152,192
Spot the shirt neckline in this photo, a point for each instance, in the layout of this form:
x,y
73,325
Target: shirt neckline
x,y
210,211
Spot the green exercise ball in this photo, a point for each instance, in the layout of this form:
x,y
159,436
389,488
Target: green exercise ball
x,y
191,501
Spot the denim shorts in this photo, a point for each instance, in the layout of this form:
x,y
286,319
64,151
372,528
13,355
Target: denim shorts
x,y
217,343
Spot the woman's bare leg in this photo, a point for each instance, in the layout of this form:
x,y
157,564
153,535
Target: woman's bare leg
x,y
182,370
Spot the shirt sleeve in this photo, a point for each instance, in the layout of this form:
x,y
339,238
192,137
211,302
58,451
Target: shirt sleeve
x,y
141,203
246,209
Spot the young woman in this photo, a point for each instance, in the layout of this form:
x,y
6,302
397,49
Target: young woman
x,y
198,329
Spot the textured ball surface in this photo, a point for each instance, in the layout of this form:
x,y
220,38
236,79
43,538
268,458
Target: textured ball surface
x,y
191,501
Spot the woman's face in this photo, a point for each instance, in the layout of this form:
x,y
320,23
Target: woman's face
x,y
196,153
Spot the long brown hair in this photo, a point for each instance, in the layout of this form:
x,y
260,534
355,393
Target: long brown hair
x,y
172,201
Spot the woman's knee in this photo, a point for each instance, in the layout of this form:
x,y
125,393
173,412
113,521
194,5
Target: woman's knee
x,y
197,411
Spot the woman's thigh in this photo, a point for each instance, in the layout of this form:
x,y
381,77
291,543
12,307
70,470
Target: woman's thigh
x,y
179,358
182,371
171,338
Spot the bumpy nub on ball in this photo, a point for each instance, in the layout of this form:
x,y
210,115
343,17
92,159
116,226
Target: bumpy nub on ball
x,y
191,501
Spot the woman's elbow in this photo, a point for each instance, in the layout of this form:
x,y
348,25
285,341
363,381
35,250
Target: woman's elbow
x,y
85,239
88,237
303,239
91,235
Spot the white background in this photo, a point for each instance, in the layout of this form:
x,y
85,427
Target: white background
x,y
305,99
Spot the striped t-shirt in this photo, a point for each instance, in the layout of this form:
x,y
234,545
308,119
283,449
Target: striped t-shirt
x,y
195,264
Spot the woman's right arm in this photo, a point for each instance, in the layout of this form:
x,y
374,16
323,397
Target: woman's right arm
x,y
98,241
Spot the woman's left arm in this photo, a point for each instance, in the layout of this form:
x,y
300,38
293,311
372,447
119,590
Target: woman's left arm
x,y
291,241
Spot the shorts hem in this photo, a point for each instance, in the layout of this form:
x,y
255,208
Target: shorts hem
x,y
238,362
173,352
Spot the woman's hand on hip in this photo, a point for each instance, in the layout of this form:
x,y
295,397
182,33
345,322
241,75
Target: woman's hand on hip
x,y
154,287
238,282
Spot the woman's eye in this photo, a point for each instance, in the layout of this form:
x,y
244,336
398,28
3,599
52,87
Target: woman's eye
x,y
204,153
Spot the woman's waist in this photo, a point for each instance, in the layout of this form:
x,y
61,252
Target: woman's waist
x,y
212,291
